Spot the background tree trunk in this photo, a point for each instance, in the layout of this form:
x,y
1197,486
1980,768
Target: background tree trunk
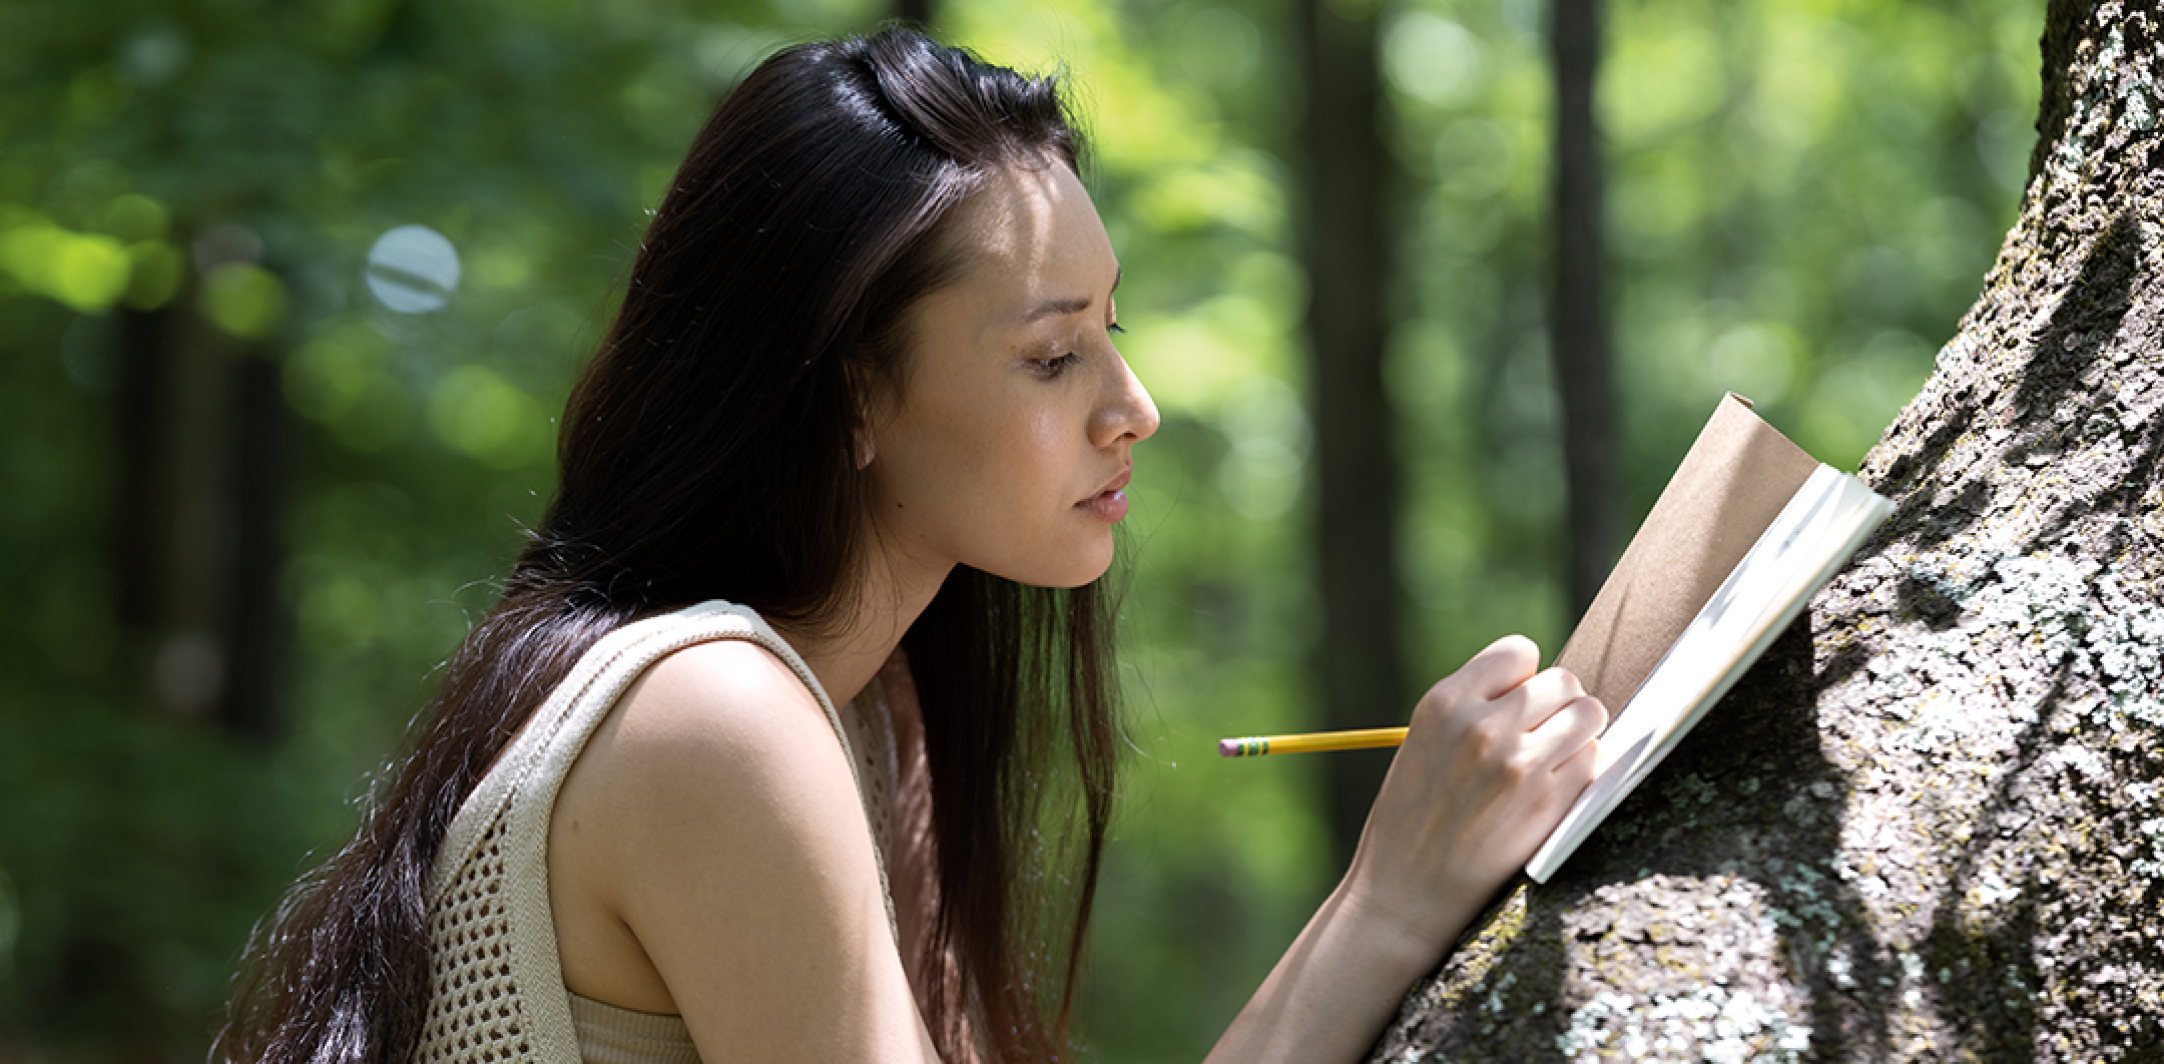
x,y
200,434
1347,256
1577,304
1930,823
917,13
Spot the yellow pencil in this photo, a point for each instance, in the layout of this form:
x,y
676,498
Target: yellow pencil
x,y
1312,742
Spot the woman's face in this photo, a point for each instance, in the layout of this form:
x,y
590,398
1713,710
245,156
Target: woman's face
x,y
1008,442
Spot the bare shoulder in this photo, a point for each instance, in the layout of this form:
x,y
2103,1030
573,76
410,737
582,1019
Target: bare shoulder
x,y
728,697
722,725
709,856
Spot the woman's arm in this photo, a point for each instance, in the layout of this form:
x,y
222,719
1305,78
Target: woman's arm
x,y
718,781
1494,758
709,857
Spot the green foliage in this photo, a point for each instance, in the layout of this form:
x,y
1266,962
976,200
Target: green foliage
x,y
1804,193
1803,197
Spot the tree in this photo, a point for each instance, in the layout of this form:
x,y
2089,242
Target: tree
x,y
1347,255
914,12
1577,305
211,426
1929,824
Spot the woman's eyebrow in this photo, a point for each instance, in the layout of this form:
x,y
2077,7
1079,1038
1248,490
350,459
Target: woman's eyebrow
x,y
1052,308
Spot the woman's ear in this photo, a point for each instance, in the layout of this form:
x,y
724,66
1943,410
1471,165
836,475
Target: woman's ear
x,y
872,401
873,397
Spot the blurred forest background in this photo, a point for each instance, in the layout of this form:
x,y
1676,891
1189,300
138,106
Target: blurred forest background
x,y
291,292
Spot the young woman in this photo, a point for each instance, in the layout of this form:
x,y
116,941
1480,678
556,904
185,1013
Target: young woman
x,y
757,755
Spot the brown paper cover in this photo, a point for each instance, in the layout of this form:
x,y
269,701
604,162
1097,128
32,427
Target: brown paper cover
x,y
1729,487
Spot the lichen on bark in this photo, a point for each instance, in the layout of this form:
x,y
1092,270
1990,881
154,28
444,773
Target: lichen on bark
x,y
1929,824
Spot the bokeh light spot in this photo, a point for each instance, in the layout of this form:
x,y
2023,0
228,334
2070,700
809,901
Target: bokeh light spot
x,y
490,419
245,300
153,275
412,269
1431,59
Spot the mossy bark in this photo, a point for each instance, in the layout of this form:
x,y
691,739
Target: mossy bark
x,y
1929,824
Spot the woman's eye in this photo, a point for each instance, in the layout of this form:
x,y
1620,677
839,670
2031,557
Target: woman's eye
x,y
1115,329
1049,368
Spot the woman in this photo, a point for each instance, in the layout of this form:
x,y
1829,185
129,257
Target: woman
x,y
863,384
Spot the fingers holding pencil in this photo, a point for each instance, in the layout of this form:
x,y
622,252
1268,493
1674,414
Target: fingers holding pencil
x,y
1557,713
1526,717
1551,702
1500,668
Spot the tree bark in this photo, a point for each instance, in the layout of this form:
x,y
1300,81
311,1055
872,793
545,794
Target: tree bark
x,y
1347,254
1929,824
1577,305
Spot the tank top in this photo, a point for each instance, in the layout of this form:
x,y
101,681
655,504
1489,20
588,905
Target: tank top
x,y
496,990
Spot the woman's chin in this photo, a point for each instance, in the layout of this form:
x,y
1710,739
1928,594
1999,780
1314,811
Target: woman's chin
x,y
1076,570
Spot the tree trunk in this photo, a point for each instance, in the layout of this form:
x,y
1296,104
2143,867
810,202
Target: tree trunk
x,y
916,13
1347,256
1577,306
255,618
1929,824
201,440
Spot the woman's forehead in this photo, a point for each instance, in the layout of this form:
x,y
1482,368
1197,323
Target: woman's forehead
x,y
1030,238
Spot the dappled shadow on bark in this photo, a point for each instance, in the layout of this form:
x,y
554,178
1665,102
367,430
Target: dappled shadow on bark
x,y
1986,956
1850,659
2084,322
1901,480
1842,1024
1767,807
1997,964
1987,975
1465,1013
2062,352
2151,1055
1990,970
1755,795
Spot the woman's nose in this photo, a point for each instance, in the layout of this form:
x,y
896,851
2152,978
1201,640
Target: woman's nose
x,y
1127,411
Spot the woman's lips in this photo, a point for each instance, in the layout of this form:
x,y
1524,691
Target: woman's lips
x,y
1110,503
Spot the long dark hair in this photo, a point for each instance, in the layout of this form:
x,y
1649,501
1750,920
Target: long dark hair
x,y
709,451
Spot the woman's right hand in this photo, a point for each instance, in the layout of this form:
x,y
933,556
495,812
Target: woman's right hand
x,y
1495,755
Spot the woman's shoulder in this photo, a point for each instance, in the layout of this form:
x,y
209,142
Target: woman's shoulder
x,y
723,675
724,703
717,785
718,741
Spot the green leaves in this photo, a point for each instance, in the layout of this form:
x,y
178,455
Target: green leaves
x,y
1803,196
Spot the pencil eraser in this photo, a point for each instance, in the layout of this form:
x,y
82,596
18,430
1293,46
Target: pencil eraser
x,y
1227,748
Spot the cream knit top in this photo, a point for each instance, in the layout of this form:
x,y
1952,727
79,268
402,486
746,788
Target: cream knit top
x,y
496,989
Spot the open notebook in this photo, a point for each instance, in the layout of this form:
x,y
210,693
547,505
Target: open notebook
x,y
1748,528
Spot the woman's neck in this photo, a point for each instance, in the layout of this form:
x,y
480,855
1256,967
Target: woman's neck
x,y
892,592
